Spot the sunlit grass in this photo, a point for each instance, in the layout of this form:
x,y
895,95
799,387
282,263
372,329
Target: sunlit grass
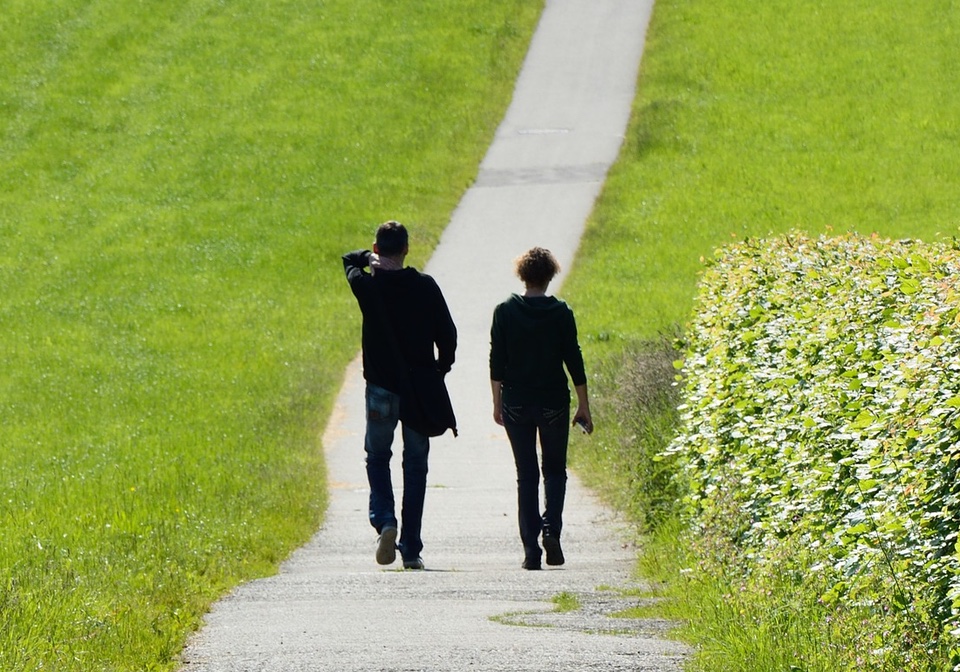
x,y
735,626
751,119
759,118
177,183
565,601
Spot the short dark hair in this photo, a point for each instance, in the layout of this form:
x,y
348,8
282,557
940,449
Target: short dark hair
x,y
391,238
537,267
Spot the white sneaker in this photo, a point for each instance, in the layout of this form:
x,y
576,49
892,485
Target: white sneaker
x,y
387,546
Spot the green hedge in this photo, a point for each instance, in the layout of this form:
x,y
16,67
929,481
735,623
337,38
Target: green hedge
x,y
821,428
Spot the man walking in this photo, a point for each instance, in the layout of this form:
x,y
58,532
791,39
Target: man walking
x,y
405,317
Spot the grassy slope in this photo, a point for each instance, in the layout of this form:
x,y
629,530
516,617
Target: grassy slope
x,y
760,117
177,183
752,119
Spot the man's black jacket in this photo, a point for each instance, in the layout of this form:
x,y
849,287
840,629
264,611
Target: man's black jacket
x,y
415,311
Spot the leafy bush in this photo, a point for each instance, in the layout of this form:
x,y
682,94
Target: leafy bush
x,y
821,430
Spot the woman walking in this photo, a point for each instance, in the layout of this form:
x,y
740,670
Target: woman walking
x,y
532,338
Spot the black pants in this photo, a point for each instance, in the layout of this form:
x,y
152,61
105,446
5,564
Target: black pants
x,y
523,424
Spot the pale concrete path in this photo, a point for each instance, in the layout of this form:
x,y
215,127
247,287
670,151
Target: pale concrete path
x,y
332,607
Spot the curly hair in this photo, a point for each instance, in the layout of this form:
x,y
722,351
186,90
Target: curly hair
x,y
536,267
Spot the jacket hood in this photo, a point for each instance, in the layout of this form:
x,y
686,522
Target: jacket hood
x,y
537,309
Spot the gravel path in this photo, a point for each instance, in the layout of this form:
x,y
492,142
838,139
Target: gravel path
x,y
331,607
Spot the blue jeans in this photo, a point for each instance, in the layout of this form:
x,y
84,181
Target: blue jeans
x,y
523,424
383,414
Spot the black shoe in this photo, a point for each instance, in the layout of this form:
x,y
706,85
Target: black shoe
x,y
413,563
530,563
551,545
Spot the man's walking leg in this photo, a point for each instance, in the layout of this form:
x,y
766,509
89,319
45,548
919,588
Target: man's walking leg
x,y
416,450
382,414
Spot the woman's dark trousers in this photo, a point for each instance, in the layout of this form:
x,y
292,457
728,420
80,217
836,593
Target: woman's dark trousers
x,y
523,425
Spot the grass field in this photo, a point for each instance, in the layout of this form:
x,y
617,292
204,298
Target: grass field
x,y
751,119
177,183
755,118
178,180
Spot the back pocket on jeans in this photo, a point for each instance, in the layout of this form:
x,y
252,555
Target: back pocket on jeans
x,y
379,404
555,415
511,413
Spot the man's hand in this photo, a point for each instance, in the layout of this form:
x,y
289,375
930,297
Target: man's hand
x,y
381,263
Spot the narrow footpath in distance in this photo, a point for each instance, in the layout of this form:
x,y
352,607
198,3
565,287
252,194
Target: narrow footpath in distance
x,y
331,607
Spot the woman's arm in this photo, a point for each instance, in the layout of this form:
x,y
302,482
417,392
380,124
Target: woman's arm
x,y
496,387
497,366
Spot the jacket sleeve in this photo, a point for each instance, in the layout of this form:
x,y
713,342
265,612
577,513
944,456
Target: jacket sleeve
x,y
445,334
572,355
497,348
354,264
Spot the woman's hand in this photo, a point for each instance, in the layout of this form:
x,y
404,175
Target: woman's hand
x,y
582,416
582,419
